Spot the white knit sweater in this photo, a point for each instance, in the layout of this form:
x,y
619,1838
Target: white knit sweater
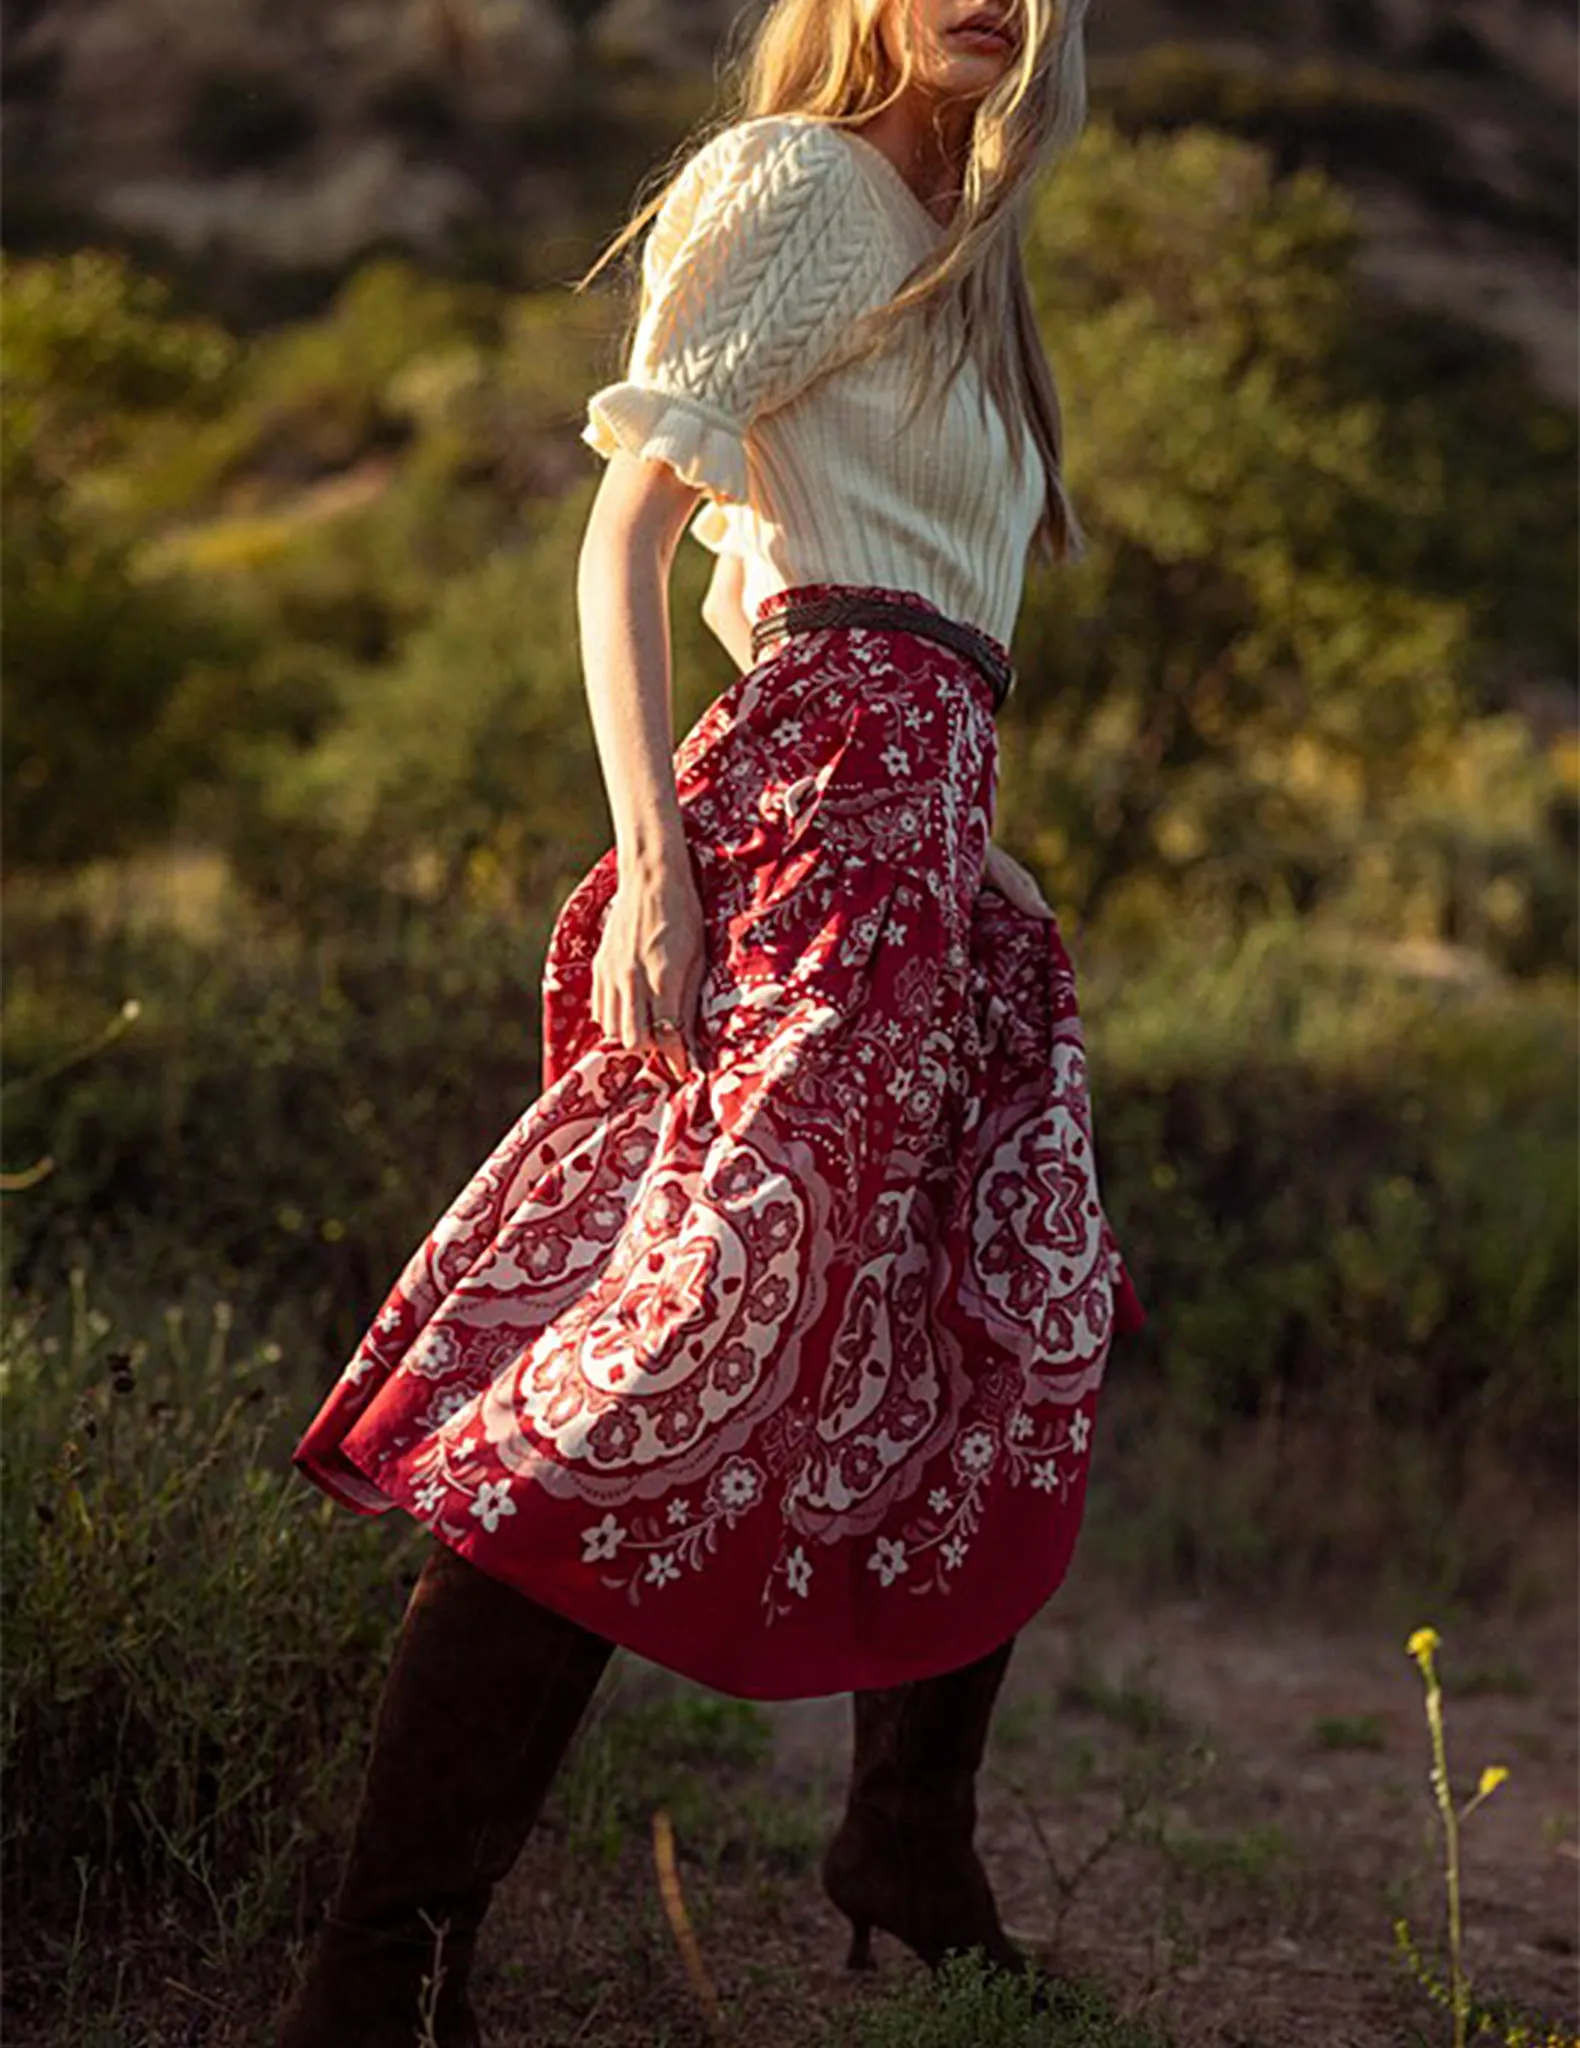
x,y
777,235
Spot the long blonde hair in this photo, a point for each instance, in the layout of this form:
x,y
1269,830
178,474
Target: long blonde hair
x,y
824,59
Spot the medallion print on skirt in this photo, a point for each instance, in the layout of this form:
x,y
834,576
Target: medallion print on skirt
x,y
785,1374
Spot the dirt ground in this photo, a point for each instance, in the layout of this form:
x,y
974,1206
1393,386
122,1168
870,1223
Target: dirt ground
x,y
1274,1773
1215,1815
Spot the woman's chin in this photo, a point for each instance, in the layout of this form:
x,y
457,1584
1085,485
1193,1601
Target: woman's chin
x,y
969,75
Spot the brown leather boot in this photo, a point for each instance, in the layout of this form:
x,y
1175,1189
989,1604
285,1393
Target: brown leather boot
x,y
903,1858
483,1695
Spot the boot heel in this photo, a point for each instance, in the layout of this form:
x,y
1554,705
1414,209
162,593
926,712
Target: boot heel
x,y
860,1957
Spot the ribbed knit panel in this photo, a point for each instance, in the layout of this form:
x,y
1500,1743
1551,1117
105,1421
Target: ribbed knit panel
x,y
778,234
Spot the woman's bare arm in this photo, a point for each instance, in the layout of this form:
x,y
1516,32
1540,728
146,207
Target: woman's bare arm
x,y
649,961
723,612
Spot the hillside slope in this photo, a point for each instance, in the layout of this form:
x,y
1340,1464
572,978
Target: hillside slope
x,y
261,146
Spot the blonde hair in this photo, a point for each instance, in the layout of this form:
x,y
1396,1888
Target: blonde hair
x,y
824,59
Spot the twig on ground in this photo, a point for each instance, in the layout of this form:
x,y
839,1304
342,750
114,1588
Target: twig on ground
x,y
680,1924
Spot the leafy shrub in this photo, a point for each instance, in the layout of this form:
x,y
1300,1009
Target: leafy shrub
x,y
1278,639
278,1118
1349,1196
191,1650
94,355
472,754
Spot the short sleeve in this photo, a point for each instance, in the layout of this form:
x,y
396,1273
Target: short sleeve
x,y
761,257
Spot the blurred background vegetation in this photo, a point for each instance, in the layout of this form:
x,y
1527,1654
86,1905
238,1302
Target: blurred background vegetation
x,y
297,770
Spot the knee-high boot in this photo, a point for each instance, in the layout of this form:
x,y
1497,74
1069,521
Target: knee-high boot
x,y
904,1859
483,1695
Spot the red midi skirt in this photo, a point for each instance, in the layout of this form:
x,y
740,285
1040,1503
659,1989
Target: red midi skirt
x,y
783,1375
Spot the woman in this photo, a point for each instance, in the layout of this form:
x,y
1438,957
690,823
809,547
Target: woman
x,y
767,1341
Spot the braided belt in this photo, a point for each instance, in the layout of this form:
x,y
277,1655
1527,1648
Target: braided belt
x,y
890,615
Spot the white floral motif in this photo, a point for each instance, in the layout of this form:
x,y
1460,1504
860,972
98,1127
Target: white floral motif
x,y
938,1501
896,760
661,1568
493,1501
739,1484
602,1540
1022,1427
888,1560
798,1572
428,1496
1080,1431
1045,1475
975,1451
679,1511
954,1552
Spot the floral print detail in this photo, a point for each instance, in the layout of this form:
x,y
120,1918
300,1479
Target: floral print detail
x,y
674,1542
602,1540
783,1373
975,1452
492,1502
739,1484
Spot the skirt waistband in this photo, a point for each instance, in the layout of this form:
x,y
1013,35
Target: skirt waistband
x,y
819,607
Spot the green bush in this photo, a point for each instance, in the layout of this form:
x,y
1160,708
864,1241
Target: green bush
x,y
1348,1190
191,1647
1326,543
95,355
472,754
278,1117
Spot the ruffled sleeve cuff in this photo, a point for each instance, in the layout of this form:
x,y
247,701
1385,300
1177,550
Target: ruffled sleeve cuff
x,y
702,446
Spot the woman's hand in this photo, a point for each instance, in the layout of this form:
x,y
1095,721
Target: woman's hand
x,y
649,964
1013,883
649,960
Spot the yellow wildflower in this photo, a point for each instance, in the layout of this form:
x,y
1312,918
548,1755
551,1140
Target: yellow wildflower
x,y
1423,1643
1491,1778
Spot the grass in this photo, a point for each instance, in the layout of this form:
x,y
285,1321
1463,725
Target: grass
x,y
968,2007
1500,1678
1132,1702
1349,1731
191,1646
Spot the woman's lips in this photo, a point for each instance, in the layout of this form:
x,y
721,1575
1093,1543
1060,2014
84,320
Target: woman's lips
x,y
984,35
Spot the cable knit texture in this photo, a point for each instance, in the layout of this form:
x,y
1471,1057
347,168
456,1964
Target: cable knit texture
x,y
776,237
